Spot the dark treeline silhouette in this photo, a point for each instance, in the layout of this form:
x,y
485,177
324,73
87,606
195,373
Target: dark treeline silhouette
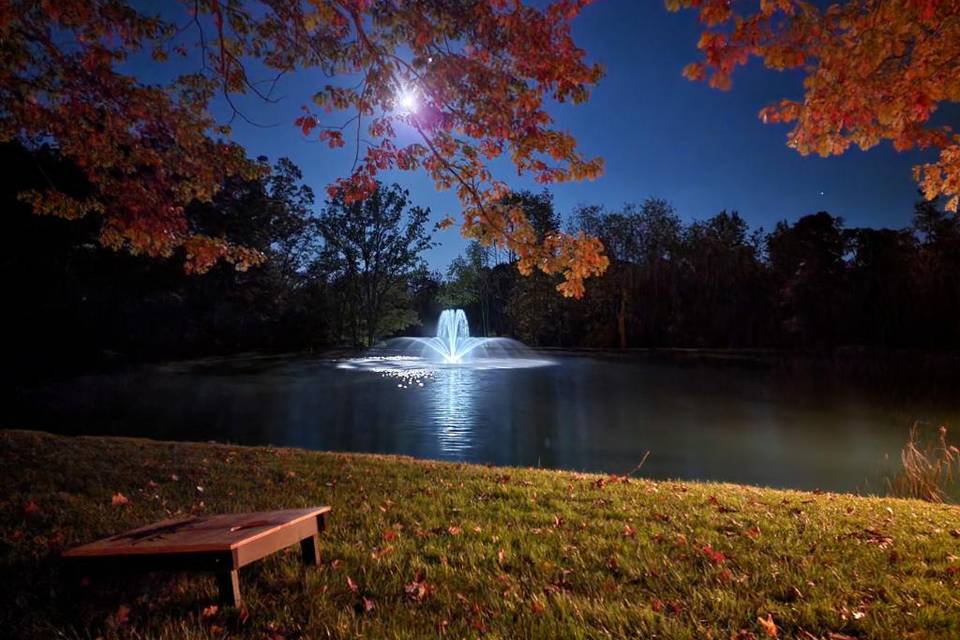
x,y
347,275
810,285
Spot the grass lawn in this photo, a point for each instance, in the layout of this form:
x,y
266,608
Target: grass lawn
x,y
426,549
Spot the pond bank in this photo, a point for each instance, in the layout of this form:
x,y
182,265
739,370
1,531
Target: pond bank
x,y
429,549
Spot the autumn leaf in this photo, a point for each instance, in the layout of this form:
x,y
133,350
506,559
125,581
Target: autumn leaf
x,y
209,612
122,615
31,508
119,499
768,626
714,556
378,553
419,590
368,604
351,584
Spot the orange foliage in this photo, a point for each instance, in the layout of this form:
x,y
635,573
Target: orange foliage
x,y
481,70
875,70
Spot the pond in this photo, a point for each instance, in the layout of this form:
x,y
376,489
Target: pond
x,y
698,421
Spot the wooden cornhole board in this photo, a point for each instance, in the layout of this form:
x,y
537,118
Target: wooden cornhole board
x,y
218,544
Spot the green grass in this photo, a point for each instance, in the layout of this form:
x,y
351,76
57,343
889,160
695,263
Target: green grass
x,y
500,552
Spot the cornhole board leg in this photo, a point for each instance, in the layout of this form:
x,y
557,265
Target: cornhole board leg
x,y
310,546
229,584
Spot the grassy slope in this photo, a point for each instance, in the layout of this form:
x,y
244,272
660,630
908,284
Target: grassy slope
x,y
505,553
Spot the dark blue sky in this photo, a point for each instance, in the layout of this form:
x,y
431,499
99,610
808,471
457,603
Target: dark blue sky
x,y
660,135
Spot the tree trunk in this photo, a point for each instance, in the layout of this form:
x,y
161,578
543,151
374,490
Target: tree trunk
x,y
622,319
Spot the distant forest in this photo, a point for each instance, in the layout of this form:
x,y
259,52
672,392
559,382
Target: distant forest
x,y
349,275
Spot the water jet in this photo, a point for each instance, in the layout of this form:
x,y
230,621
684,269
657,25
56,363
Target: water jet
x,y
452,346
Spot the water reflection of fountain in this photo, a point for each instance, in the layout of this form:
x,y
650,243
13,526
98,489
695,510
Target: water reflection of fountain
x,y
452,402
414,360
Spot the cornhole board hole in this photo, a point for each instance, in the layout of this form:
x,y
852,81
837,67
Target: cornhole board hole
x,y
218,544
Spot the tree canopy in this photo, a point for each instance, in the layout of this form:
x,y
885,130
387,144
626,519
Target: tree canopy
x,y
469,79
875,70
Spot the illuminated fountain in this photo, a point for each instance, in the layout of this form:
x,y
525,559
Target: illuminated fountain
x,y
415,359
452,342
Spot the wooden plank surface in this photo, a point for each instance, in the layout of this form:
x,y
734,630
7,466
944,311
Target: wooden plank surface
x,y
224,532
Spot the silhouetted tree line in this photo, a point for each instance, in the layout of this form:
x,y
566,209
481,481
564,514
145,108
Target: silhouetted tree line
x,y
813,284
349,274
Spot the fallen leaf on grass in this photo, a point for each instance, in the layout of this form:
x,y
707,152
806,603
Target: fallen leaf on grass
x,y
209,612
673,608
368,604
122,615
377,553
119,499
31,508
714,556
419,590
769,626
351,584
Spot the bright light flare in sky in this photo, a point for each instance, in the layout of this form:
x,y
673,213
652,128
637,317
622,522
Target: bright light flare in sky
x,y
407,100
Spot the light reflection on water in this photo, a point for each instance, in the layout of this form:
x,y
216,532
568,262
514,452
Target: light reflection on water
x,y
452,401
699,422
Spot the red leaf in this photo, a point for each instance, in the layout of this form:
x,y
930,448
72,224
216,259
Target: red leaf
x,y
122,615
714,556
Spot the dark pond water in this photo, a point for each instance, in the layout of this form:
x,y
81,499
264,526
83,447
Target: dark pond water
x,y
698,421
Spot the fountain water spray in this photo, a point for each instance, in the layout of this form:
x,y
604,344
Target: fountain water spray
x,y
453,340
453,346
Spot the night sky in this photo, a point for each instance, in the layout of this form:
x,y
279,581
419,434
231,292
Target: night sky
x,y
660,135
